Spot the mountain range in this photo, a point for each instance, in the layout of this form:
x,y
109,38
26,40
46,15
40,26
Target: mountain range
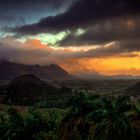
x,y
10,70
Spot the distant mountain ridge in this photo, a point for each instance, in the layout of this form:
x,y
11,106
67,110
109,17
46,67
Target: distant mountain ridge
x,y
10,70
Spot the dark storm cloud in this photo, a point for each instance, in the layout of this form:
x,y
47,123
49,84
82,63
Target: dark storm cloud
x,y
102,21
107,31
82,14
27,3
5,19
11,11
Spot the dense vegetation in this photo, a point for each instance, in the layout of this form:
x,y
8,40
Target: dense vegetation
x,y
87,117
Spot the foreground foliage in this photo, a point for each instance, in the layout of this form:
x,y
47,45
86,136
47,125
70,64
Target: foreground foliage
x,y
92,117
88,117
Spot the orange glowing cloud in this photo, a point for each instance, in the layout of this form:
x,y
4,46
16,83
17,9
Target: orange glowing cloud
x,y
36,43
74,61
106,66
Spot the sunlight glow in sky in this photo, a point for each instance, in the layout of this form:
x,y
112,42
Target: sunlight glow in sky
x,y
74,34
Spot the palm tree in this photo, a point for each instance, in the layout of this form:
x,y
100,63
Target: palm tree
x,y
111,119
76,127
101,118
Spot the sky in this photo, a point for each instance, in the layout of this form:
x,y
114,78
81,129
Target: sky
x,y
82,36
